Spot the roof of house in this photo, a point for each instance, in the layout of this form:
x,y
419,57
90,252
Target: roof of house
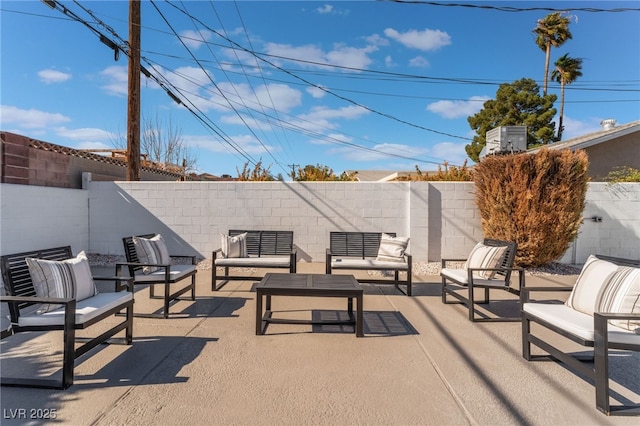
x,y
593,138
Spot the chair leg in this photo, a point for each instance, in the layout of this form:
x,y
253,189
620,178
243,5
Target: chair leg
x,y
601,364
193,287
526,344
470,303
167,296
69,336
444,293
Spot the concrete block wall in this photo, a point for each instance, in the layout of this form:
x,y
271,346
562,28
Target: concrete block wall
x,y
440,217
194,214
33,217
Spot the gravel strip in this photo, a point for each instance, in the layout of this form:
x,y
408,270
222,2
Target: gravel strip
x,y
419,268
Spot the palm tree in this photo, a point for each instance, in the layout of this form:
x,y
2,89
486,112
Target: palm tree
x,y
566,71
553,30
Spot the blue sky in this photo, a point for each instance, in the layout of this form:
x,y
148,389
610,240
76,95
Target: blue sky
x,y
347,84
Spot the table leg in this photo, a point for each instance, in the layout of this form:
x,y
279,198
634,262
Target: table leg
x,y
359,316
350,306
259,312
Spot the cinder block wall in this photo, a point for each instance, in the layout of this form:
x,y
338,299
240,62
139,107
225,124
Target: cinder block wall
x,y
33,217
441,218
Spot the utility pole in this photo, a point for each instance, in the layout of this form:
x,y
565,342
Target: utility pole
x,y
133,105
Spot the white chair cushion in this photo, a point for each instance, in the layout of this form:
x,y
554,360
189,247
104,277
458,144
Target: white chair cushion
x,y
235,246
461,276
64,279
590,283
577,323
258,262
151,251
175,273
86,310
392,248
483,256
368,264
622,295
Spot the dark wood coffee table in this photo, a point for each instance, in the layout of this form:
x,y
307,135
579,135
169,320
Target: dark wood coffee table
x,y
310,285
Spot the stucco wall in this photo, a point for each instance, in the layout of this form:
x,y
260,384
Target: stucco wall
x,y
441,218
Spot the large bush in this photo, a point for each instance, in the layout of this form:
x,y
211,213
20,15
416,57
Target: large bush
x,y
536,200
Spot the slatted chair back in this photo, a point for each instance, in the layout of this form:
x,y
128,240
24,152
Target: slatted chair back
x,y
261,243
508,258
356,244
16,276
130,252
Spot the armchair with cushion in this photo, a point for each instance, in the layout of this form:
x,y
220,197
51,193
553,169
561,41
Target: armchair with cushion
x,y
602,312
489,267
149,263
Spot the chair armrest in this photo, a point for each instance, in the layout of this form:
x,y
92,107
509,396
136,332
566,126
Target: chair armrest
x,y
600,328
524,294
408,257
118,280
36,299
444,261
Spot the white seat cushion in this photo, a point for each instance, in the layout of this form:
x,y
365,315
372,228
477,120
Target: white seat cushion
x,y
176,273
577,323
461,276
368,264
258,262
86,309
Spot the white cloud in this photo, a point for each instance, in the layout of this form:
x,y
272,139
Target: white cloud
x,y
574,128
340,55
327,8
30,118
377,40
457,109
426,40
190,79
85,134
195,39
273,96
316,92
49,76
117,77
453,153
246,143
419,62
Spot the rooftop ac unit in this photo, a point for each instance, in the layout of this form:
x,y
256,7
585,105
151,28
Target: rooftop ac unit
x,y
505,140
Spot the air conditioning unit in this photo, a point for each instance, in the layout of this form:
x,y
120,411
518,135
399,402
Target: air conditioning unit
x,y
505,140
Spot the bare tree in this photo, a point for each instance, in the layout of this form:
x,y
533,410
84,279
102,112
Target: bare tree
x,y
161,142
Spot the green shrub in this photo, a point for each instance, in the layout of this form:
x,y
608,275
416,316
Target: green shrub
x,y
623,174
536,200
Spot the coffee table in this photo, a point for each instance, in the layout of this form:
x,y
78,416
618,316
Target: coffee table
x,y
309,285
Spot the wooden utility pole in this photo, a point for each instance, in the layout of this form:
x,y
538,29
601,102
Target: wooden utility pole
x,y
133,109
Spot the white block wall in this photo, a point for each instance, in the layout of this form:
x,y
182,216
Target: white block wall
x,y
34,217
440,217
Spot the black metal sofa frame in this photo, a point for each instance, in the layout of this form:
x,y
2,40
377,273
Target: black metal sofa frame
x,y
501,282
599,370
266,249
365,246
21,294
166,279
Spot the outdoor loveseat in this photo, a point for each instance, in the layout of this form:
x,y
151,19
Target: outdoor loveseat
x,y
370,251
252,249
602,312
150,263
51,290
489,267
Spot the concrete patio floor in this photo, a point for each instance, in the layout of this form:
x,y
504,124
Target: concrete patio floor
x,y
420,363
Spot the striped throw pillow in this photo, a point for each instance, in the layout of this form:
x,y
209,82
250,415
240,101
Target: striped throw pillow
x,y
621,294
151,251
588,288
69,278
235,246
483,256
392,248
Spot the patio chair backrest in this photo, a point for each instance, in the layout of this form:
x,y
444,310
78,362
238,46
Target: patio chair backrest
x,y
356,244
16,276
130,251
509,256
260,243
